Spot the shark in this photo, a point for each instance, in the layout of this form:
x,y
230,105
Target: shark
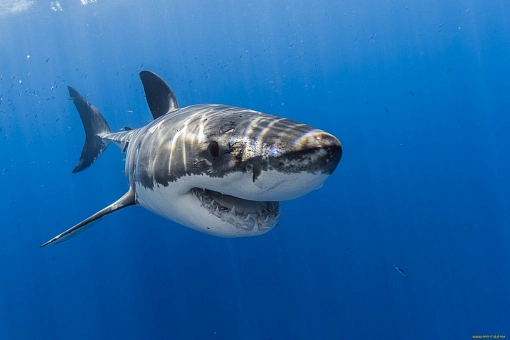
x,y
218,169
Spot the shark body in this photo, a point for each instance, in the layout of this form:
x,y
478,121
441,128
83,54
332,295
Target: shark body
x,y
218,169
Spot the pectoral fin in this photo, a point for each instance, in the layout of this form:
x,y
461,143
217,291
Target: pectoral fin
x,y
125,201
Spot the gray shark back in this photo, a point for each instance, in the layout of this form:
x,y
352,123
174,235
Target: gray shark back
x,y
216,140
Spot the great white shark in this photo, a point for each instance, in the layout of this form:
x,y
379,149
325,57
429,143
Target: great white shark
x,y
219,169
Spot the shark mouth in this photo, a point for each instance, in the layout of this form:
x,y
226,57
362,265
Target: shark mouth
x,y
243,214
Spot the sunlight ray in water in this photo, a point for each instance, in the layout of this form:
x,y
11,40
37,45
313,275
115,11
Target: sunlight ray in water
x,y
14,6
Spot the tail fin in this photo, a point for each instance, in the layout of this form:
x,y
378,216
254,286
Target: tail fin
x,y
95,125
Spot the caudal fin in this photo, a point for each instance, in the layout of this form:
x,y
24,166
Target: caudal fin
x,y
95,126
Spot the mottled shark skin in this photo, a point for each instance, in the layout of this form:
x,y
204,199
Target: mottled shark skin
x,y
218,169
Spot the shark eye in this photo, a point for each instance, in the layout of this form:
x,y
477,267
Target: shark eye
x,y
214,149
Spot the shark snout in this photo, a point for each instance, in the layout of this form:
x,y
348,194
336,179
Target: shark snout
x,y
332,151
301,166
317,152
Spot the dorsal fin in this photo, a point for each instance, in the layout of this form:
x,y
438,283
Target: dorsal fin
x,y
160,97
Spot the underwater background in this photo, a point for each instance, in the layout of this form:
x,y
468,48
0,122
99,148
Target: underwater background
x,y
418,93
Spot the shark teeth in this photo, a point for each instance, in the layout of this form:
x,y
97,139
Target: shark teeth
x,y
251,214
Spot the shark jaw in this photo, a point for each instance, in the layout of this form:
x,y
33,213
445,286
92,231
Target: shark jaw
x,y
256,217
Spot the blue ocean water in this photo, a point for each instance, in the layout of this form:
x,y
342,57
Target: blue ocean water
x,y
418,94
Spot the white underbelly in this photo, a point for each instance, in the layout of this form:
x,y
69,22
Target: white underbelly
x,y
187,210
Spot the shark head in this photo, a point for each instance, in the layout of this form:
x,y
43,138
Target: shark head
x,y
218,169
226,169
